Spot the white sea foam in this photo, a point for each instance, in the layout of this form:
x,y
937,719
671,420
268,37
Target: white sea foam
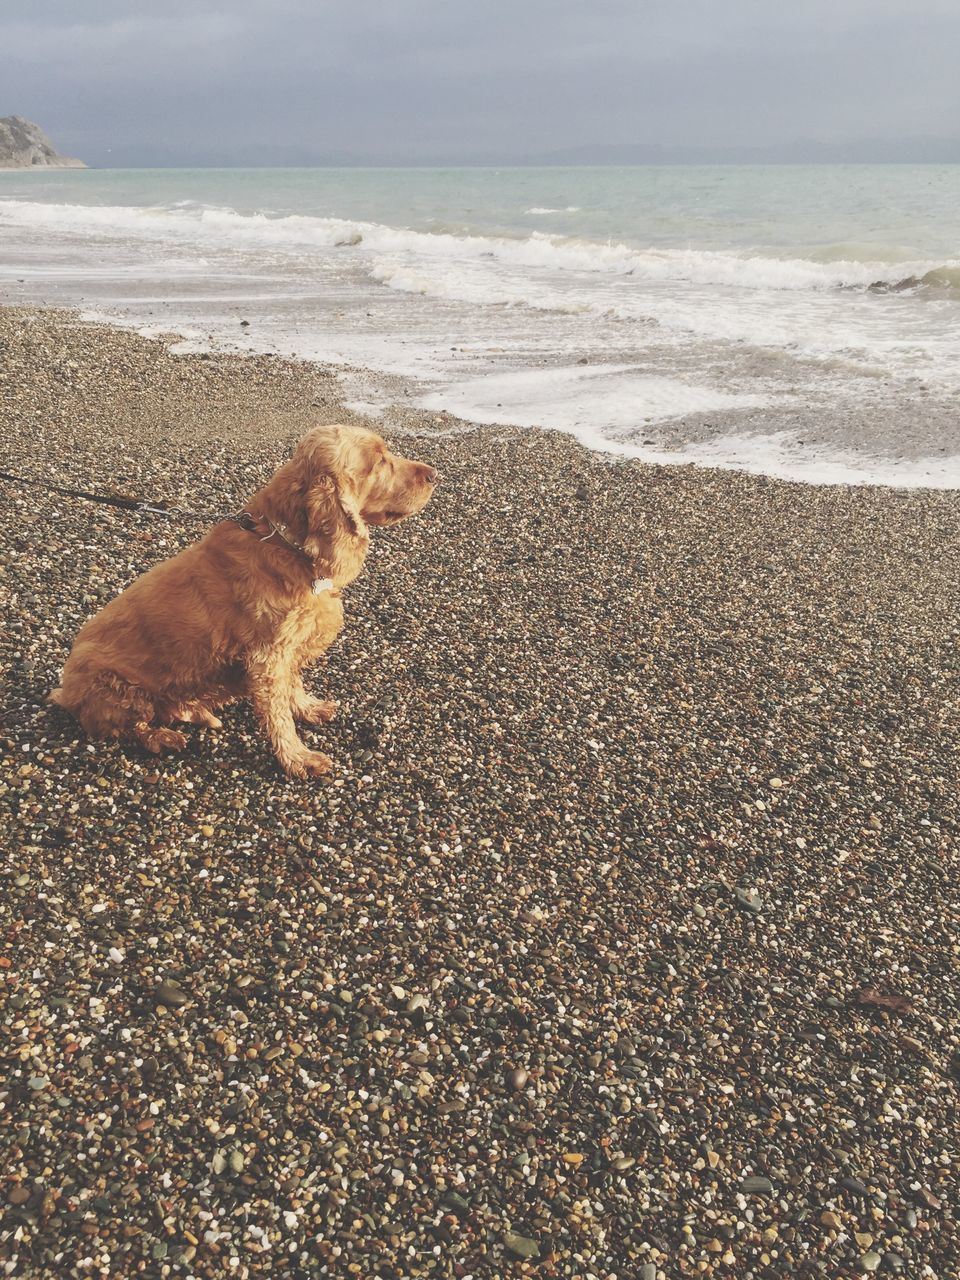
x,y
579,398
298,233
721,330
614,409
780,453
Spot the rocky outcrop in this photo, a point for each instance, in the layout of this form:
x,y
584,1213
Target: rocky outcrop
x,y
24,145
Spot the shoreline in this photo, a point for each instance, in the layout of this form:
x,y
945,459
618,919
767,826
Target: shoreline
x,y
621,940
685,440
824,383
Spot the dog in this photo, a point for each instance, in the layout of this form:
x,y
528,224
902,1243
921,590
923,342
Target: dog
x,y
240,613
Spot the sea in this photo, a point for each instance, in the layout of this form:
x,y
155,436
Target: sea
x,y
797,321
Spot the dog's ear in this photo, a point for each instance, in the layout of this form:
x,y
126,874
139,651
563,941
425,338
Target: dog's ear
x,y
332,511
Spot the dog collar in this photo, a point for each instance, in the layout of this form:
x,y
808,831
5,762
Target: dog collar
x,y
252,524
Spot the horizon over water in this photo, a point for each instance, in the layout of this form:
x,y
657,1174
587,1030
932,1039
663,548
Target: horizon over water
x,y
797,320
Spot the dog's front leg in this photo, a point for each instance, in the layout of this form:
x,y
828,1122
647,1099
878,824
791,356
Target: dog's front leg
x,y
309,709
271,686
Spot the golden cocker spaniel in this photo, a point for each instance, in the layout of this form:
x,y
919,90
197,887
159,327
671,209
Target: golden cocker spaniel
x,y
241,613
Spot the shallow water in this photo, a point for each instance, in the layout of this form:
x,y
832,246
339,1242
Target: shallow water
x,y
797,319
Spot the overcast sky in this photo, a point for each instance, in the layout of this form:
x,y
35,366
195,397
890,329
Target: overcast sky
x,y
301,81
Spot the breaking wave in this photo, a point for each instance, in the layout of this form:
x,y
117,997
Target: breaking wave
x,y
392,254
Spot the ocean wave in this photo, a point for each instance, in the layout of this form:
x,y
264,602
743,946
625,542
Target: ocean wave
x,y
393,254
570,208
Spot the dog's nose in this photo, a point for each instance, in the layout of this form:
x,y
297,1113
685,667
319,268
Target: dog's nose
x,y
430,474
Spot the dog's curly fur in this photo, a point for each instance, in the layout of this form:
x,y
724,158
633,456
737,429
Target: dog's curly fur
x,y
235,615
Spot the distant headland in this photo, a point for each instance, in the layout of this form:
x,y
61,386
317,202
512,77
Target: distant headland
x,y
24,145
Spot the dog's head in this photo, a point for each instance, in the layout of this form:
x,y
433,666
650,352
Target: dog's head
x,y
352,469
342,479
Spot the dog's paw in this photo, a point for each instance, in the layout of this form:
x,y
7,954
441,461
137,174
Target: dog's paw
x,y
157,740
196,714
316,711
311,764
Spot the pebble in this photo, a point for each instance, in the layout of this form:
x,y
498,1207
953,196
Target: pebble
x,y
757,1186
522,1246
528,801
749,900
453,1200
854,1186
171,995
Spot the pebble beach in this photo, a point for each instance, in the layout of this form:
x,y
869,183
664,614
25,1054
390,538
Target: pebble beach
x,y
622,941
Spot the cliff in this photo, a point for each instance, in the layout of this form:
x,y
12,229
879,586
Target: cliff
x,y
24,145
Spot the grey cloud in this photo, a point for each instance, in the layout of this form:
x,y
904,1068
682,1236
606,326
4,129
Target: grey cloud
x,y
302,81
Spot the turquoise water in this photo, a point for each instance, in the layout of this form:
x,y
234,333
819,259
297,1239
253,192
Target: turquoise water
x,y
876,211
636,307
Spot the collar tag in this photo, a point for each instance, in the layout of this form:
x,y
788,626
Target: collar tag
x,y
322,584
